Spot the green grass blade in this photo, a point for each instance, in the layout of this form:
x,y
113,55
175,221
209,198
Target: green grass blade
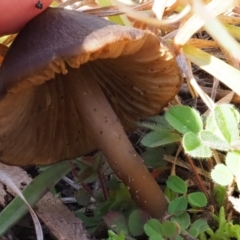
x,y
33,193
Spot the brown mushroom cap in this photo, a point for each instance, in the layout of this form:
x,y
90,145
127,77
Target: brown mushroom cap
x,y
38,119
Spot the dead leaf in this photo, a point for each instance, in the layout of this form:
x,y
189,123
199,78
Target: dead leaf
x,y
57,217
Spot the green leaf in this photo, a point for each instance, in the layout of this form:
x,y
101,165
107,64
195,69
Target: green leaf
x,y
117,205
171,148
178,237
113,236
184,119
182,220
197,199
123,193
193,146
227,119
113,183
87,175
235,231
233,162
211,126
116,221
156,237
103,208
213,141
118,190
156,123
169,229
169,194
33,193
88,221
162,122
193,232
235,145
176,184
222,218
222,175
178,205
153,157
83,197
210,232
219,194
156,139
136,221
153,228
200,224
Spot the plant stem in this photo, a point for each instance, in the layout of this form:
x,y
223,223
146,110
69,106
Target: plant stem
x,y
103,184
199,181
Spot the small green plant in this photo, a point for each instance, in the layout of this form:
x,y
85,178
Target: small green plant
x,y
178,226
112,212
219,132
114,208
113,236
199,137
225,231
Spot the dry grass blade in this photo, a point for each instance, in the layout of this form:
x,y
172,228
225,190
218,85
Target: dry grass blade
x,y
73,4
158,8
9,39
148,19
7,180
182,62
195,22
61,222
114,10
202,43
229,19
67,3
227,74
219,94
215,28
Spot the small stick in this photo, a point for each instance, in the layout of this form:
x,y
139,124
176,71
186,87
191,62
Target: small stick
x,y
199,181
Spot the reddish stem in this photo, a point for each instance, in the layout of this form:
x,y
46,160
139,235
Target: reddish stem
x,y
198,179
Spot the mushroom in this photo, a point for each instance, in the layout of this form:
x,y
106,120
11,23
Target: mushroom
x,y
72,83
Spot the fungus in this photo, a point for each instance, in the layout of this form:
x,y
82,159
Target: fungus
x,y
72,83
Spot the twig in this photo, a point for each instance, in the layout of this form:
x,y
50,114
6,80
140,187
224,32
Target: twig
x,y
199,181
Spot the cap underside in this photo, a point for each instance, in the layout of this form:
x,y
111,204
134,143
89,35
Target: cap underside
x,y
39,123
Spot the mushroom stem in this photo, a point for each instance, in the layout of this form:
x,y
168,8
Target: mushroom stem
x,y
105,127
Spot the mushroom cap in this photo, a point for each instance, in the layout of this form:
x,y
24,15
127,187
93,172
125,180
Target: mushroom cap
x,y
38,120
